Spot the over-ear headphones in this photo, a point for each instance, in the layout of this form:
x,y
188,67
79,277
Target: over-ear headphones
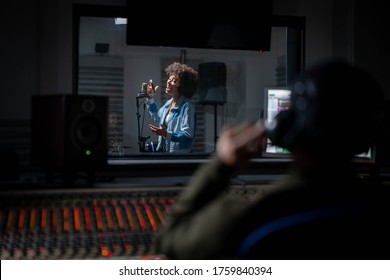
x,y
334,106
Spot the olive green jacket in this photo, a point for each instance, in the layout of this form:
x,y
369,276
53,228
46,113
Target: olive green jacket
x,y
210,222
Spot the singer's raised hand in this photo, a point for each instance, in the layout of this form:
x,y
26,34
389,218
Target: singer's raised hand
x,y
151,89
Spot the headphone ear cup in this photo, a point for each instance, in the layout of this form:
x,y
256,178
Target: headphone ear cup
x,y
279,129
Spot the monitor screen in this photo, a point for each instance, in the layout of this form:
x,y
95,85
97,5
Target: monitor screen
x,y
276,99
368,157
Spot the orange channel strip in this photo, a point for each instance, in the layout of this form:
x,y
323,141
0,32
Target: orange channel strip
x,y
43,218
160,214
150,217
98,218
119,217
87,219
76,217
110,223
22,216
33,216
65,215
140,217
130,218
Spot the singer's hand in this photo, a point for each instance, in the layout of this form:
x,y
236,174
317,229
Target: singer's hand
x,y
158,130
151,90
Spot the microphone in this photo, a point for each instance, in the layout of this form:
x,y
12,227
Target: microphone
x,y
153,87
143,93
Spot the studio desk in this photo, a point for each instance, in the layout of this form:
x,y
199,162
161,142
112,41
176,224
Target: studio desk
x,y
118,219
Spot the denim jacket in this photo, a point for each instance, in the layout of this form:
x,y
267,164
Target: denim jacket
x,y
180,124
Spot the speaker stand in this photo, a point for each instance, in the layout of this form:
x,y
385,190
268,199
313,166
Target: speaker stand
x,y
215,107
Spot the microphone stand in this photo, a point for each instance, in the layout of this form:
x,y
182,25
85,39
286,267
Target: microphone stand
x,y
141,139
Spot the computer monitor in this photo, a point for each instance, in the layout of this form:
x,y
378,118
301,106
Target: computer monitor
x,y
276,99
367,157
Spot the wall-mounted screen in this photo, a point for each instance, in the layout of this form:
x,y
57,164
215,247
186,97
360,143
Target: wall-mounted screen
x,y
198,26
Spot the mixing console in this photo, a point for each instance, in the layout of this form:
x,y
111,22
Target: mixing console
x,y
82,225
88,224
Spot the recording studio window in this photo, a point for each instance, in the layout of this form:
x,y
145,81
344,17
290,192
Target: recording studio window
x,y
106,65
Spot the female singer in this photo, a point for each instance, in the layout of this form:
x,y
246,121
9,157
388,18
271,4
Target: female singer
x,y
175,121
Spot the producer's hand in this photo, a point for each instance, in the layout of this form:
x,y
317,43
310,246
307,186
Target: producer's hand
x,y
237,144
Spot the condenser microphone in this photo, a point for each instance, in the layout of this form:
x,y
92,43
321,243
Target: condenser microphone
x,y
144,87
153,87
143,93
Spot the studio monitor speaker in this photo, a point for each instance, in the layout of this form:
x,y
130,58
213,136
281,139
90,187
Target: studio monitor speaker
x,y
69,131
